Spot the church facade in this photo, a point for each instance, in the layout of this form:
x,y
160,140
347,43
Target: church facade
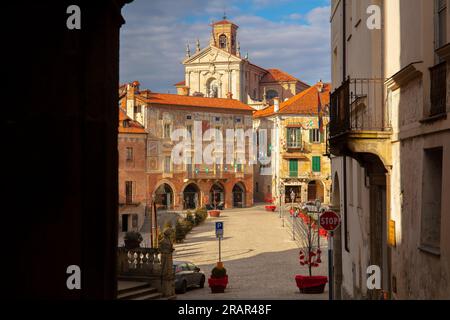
x,y
219,71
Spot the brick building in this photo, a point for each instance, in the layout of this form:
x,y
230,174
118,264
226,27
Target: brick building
x,y
132,146
191,183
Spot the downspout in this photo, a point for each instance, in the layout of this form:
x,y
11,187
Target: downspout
x,y
344,76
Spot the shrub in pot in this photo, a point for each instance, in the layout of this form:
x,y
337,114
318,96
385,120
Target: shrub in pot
x,y
219,279
310,256
214,213
132,239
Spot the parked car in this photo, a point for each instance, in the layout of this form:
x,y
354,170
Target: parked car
x,y
187,275
311,207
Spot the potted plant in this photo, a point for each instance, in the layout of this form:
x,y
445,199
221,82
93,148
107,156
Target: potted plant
x,y
219,279
132,239
310,256
214,213
271,208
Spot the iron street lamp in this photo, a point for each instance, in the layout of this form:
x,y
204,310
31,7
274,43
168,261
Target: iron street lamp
x,y
292,211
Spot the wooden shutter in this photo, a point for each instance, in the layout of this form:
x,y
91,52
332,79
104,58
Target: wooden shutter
x,y
316,164
293,167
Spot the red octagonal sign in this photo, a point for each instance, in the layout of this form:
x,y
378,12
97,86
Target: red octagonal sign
x,y
329,220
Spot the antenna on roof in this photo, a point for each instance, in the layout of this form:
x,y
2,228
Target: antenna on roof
x,y
225,13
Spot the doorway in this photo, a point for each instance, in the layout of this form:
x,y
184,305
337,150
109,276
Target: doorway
x,y
191,197
287,193
125,218
217,196
164,197
238,196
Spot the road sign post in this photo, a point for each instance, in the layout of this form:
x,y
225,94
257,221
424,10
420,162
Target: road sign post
x,y
330,221
219,235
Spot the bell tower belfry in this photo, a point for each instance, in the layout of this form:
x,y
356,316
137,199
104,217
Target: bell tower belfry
x,y
224,35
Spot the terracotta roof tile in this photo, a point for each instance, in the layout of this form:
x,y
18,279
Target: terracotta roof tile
x,y
305,102
275,75
133,126
190,101
224,21
181,83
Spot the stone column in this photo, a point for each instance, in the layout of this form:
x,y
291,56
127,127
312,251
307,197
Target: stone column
x,y
167,274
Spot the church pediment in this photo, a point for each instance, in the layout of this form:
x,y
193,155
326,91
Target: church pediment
x,y
211,54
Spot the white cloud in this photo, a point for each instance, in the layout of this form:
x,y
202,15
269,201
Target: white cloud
x,y
154,38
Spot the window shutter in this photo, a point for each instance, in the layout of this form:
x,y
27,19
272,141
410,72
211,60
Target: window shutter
x,y
316,164
299,136
322,135
311,136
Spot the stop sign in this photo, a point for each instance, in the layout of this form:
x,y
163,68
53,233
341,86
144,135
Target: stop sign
x,y
329,220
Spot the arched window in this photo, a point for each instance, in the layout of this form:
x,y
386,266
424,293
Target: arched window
x,y
213,88
222,41
271,94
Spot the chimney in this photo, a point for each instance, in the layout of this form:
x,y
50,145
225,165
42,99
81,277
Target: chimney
x,y
229,95
183,90
276,104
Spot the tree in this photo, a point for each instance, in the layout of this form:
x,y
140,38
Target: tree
x,y
309,241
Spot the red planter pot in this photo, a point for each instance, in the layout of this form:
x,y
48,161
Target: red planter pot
x,y
271,208
218,285
311,285
214,213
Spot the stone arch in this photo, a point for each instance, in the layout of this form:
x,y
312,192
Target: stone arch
x,y
213,88
217,194
316,190
223,41
164,196
239,191
191,196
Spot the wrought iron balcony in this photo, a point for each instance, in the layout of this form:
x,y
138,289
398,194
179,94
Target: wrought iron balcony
x,y
358,105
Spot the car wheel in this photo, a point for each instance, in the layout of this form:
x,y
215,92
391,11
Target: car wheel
x,y
202,282
183,288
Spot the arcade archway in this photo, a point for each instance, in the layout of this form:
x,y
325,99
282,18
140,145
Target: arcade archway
x,y
238,195
217,196
164,197
191,197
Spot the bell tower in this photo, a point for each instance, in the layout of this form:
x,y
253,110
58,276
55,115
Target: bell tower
x,y
224,35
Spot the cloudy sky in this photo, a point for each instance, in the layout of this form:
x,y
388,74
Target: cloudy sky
x,y
292,35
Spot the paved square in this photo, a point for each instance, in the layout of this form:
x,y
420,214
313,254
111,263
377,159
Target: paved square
x,y
259,254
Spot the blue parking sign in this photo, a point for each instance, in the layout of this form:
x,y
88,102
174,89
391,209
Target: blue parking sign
x,y
219,229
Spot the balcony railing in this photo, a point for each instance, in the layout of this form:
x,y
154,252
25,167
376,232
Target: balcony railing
x,y
438,75
358,105
302,146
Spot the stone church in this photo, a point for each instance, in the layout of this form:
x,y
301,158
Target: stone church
x,y
219,71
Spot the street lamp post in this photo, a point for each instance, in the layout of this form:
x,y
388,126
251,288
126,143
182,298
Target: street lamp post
x,y
318,205
292,210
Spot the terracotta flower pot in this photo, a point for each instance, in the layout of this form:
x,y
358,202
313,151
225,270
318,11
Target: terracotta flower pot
x,y
271,208
214,213
218,285
311,285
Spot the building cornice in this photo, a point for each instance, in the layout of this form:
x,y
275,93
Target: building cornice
x,y
404,76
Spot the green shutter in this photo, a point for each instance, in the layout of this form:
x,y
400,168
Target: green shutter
x,y
293,168
316,164
298,133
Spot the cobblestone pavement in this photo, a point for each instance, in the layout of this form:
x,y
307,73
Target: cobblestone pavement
x,y
259,254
